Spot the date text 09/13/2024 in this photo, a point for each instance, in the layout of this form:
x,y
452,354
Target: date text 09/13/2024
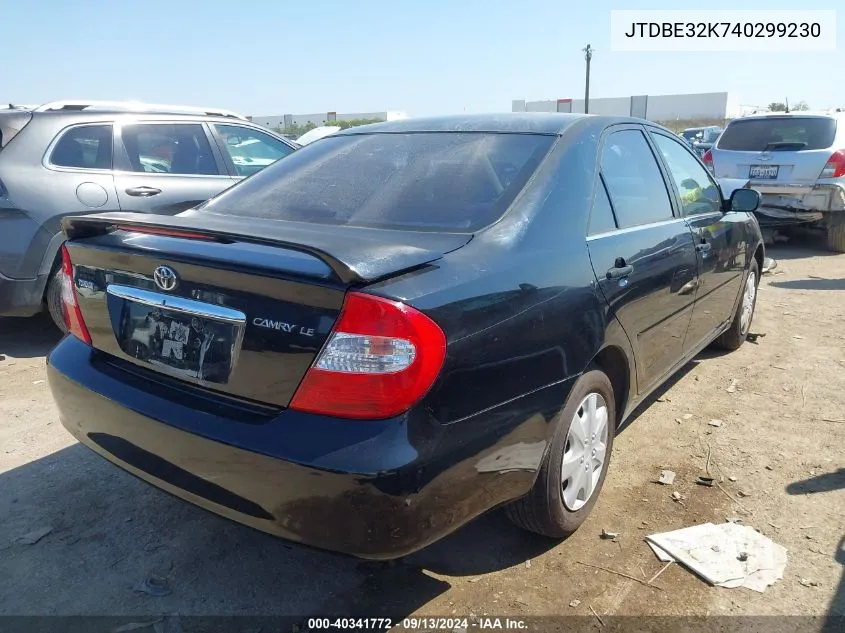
x,y
421,623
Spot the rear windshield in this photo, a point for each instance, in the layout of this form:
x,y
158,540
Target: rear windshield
x,y
440,181
691,133
779,134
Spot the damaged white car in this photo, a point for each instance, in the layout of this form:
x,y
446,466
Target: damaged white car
x,y
797,163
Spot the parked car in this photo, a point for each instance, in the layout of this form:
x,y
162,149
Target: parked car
x,y
404,325
706,140
67,158
796,161
693,135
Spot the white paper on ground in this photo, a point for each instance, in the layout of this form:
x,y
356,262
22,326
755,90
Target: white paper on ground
x,y
712,552
661,555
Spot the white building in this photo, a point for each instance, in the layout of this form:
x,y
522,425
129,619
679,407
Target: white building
x,y
682,107
322,118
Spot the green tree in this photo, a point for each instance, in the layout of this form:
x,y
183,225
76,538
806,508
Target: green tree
x,y
777,106
800,106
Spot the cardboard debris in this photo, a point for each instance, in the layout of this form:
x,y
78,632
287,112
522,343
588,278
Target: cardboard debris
x,y
715,422
666,477
727,555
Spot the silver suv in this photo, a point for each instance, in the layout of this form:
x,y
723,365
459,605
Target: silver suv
x,y
797,163
70,158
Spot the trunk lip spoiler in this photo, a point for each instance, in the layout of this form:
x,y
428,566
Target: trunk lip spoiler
x,y
385,256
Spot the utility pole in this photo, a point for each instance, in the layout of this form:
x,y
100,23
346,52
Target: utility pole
x,y
588,55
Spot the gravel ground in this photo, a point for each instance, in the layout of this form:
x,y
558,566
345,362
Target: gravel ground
x,y
782,439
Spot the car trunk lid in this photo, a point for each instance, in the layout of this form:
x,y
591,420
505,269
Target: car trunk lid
x,y
235,307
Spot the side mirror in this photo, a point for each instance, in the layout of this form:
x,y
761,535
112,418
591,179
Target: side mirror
x,y
746,200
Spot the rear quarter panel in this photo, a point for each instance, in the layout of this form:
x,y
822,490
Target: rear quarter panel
x,y
39,197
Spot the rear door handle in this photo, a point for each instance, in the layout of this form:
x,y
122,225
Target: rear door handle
x,y
618,272
143,192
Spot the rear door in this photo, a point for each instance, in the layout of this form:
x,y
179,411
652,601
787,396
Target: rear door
x,y
717,236
775,150
247,150
645,264
164,167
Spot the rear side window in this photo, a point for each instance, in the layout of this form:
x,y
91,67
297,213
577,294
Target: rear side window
x,y
250,150
445,181
169,148
84,147
633,179
779,134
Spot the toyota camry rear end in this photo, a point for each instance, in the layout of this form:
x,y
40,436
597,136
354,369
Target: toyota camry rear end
x,y
306,353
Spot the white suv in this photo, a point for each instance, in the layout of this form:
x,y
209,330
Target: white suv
x,y
797,163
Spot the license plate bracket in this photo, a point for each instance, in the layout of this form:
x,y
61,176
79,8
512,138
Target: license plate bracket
x,y
188,339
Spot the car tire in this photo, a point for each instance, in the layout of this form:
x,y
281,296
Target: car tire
x,y
836,232
736,334
53,298
554,506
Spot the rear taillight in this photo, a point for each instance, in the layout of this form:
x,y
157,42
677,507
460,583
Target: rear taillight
x,y
380,359
707,159
73,315
835,167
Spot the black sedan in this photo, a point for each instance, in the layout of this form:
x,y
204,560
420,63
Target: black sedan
x,y
402,326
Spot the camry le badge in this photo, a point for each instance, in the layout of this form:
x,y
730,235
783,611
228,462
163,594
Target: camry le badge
x,y
165,278
292,328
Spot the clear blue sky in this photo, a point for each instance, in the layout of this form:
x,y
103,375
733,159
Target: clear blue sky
x,y
420,56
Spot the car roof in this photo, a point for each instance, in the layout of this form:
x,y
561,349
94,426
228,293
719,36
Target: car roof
x,y
794,114
123,115
509,122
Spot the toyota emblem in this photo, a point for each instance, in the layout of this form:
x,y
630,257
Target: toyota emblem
x,y
165,278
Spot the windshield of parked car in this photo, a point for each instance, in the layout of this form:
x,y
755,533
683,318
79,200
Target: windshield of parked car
x,y
788,133
446,181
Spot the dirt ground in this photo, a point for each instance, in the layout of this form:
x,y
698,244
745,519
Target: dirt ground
x,y
782,439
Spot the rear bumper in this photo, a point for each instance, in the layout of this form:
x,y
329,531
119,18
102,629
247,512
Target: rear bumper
x,y
823,197
21,297
375,490
769,217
